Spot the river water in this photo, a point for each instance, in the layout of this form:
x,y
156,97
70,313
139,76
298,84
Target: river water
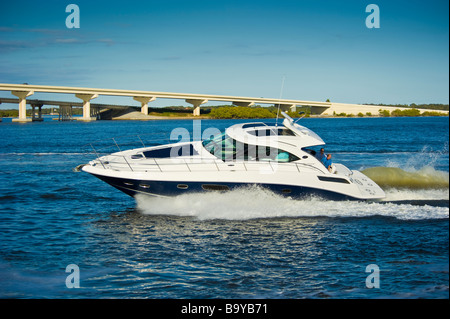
x,y
58,226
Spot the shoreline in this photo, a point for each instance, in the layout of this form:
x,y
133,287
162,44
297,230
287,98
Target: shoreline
x,y
226,113
133,115
160,118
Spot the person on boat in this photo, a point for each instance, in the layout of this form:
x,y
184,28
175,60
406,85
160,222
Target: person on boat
x,y
328,163
321,155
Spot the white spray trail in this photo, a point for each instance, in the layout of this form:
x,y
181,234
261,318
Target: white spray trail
x,y
254,202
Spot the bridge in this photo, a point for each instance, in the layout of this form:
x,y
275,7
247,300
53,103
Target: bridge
x,y
23,91
65,108
91,111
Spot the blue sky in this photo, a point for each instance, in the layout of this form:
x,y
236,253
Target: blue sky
x,y
321,48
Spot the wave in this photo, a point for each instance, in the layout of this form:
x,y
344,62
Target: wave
x,y
41,153
256,202
423,195
393,177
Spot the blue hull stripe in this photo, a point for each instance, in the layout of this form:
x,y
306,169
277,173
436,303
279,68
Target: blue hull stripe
x,y
165,188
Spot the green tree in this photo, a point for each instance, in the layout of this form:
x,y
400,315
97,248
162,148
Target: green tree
x,y
240,112
384,113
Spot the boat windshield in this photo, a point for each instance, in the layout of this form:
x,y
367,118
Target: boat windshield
x,y
309,132
228,149
220,145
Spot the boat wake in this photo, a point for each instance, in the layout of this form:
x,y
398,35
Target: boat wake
x,y
418,191
423,187
394,177
255,202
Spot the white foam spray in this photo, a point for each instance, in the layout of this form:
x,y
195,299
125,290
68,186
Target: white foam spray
x,y
255,202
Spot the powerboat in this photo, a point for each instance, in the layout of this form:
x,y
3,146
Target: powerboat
x,y
279,158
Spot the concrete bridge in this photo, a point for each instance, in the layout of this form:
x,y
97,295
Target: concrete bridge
x,y
23,91
65,108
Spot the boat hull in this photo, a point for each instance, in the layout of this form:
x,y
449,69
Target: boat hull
x,y
171,188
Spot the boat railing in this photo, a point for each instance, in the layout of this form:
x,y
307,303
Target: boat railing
x,y
105,149
164,165
107,146
125,142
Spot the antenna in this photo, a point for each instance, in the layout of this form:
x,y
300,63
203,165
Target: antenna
x,y
279,100
303,115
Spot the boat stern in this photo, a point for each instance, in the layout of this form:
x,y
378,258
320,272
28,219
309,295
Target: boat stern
x,y
368,188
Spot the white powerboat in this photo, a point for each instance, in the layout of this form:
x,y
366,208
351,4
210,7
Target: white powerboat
x,y
279,158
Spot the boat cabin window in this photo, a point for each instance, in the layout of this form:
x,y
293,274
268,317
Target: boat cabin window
x,y
227,149
253,125
175,151
271,132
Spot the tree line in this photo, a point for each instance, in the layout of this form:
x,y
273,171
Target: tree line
x,y
431,106
240,112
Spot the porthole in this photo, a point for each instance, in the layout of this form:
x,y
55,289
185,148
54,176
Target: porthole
x,y
144,185
182,186
286,191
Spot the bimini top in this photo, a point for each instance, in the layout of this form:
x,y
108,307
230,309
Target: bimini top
x,y
291,134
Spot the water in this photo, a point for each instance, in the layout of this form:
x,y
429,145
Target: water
x,y
241,244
